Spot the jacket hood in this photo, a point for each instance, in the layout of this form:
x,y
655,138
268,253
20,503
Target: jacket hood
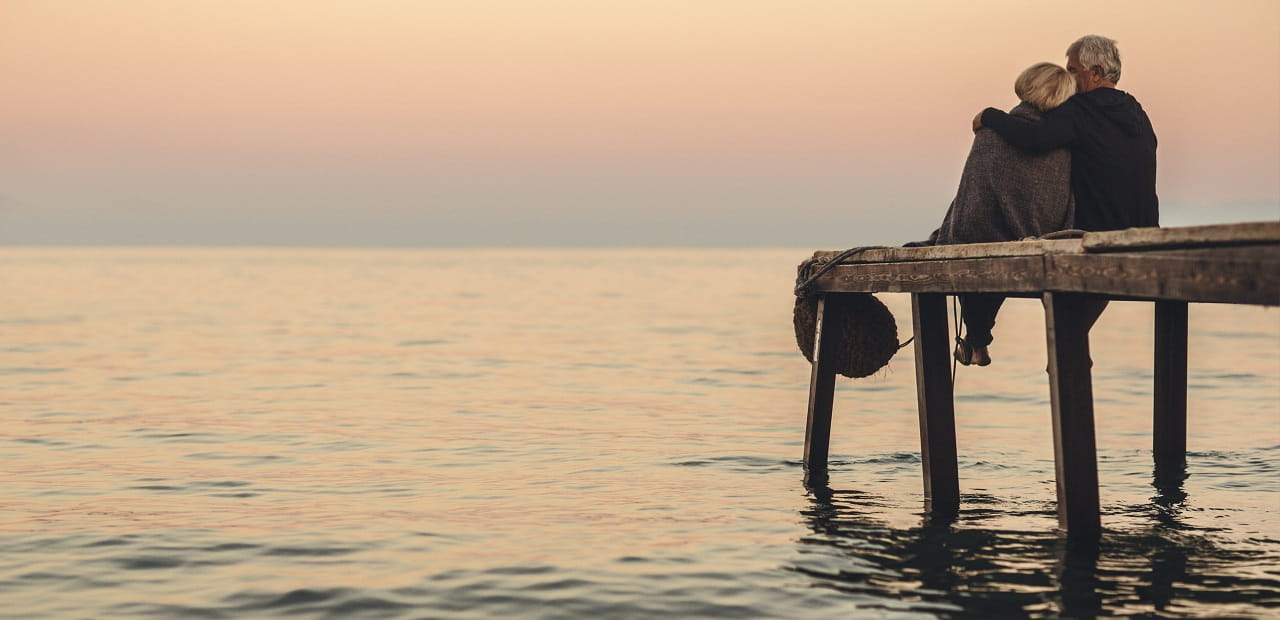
x,y
1117,106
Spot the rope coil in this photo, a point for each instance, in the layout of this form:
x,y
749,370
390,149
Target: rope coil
x,y
864,331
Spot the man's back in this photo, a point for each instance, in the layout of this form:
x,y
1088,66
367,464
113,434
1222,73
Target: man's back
x,y
1114,161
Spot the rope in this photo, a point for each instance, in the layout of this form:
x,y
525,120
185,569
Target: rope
x,y
806,275
804,280
957,315
1070,233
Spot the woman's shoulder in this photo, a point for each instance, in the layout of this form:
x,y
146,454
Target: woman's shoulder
x,y
1026,111
987,140
994,152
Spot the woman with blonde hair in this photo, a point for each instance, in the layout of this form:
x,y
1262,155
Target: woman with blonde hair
x,y
1007,195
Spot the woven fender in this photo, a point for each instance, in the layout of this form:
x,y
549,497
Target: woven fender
x,y
865,334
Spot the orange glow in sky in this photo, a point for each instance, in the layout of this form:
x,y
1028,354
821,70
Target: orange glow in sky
x,y
720,108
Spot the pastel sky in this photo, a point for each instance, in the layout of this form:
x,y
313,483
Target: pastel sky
x,y
581,122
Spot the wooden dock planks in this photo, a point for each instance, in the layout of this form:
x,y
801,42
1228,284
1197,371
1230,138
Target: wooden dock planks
x,y
1242,273
1235,263
1232,274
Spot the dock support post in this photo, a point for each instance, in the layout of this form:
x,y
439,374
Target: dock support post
x,y
1067,323
822,389
1169,437
936,402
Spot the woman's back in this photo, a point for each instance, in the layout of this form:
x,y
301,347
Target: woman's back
x,y
1006,195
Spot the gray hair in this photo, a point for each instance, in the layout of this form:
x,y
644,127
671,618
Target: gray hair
x,y
1098,51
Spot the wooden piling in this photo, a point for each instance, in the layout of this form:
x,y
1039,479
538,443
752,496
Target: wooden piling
x,y
936,402
1169,436
822,388
1071,397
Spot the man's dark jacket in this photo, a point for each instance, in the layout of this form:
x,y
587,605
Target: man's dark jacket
x,y
1113,155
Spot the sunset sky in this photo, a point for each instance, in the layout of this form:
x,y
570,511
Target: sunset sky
x,y
580,122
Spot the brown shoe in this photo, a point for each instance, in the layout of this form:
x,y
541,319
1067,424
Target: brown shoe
x,y
964,353
969,355
981,356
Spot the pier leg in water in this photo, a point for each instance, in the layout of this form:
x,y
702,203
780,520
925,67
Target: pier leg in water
x,y
936,402
1067,322
1169,439
822,389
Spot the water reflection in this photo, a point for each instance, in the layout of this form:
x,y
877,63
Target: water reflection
x,y
1170,496
947,567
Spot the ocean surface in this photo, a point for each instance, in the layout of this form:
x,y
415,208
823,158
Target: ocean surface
x,y
233,433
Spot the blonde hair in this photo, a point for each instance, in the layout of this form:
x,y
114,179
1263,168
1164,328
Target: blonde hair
x,y
1045,86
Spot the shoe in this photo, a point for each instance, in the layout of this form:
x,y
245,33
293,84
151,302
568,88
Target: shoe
x,y
981,357
964,353
969,355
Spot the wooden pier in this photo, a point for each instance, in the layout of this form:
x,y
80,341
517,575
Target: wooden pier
x,y
1234,263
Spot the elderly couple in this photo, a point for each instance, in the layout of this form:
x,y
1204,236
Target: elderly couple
x,y
1075,153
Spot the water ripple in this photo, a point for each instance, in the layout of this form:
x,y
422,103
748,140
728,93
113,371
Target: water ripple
x,y
331,434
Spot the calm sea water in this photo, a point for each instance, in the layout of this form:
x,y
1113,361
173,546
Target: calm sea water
x,y
339,434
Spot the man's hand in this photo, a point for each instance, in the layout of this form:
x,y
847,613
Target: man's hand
x,y
977,122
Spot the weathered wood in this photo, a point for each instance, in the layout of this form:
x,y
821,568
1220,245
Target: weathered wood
x,y
936,402
954,252
1245,275
1169,436
1003,275
822,387
1071,398
1223,264
1182,237
1220,235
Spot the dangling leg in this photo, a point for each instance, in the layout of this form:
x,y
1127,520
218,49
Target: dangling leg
x,y
980,311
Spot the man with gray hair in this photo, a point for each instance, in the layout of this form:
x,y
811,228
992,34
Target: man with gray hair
x,y
1113,148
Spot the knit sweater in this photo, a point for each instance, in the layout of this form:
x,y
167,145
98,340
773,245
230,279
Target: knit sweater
x,y
1006,194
